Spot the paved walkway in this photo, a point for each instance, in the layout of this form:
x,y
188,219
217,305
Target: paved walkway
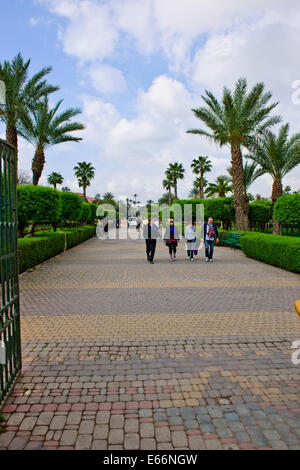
x,y
120,354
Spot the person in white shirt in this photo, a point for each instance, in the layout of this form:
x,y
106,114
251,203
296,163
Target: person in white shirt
x,y
190,238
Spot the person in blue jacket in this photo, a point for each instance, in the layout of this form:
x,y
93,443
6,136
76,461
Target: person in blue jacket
x,y
208,234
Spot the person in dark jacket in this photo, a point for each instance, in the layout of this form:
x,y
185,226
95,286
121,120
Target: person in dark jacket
x,y
209,233
171,238
151,234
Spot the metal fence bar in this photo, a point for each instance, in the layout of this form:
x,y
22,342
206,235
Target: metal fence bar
x,y
10,336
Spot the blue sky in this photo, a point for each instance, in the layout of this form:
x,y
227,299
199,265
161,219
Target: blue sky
x,y
137,68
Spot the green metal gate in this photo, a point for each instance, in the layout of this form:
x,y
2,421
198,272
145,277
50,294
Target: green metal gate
x,y
10,338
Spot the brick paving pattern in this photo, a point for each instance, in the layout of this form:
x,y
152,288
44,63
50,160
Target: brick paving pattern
x,y
120,354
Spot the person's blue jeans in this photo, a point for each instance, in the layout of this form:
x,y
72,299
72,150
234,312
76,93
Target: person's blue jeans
x,y
209,248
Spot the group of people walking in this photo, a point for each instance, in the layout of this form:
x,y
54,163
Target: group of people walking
x,y
209,234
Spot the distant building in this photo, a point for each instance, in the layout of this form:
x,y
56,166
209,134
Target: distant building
x,y
89,199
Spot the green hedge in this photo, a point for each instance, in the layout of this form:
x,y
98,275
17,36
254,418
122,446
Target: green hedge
x,y
71,205
37,249
287,209
260,212
45,245
37,204
283,252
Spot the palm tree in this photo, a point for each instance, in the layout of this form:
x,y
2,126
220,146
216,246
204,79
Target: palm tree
x,y
21,92
43,128
108,197
194,193
166,198
55,179
175,172
251,173
167,184
221,187
200,166
234,122
135,198
65,189
85,173
149,203
277,156
198,184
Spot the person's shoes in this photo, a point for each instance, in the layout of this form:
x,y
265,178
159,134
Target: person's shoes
x,y
174,258
148,258
210,260
171,260
206,259
192,259
151,262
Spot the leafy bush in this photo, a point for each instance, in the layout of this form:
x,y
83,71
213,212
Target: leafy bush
x,y
93,212
85,214
221,209
260,212
36,250
283,252
70,207
37,204
287,209
46,245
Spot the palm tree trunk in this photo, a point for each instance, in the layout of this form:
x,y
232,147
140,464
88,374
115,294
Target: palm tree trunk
x,y
38,163
170,199
276,193
201,185
175,188
240,204
12,139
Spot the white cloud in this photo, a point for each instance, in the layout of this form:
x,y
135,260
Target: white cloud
x,y
206,44
107,79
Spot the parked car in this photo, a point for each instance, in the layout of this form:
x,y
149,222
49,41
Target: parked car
x,y
132,222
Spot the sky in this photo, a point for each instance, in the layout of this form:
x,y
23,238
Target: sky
x,y
137,68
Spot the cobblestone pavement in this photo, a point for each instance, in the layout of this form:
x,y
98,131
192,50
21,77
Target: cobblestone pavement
x,y
120,354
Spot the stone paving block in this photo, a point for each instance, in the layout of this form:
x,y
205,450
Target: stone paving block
x,y
116,436
147,444
100,432
68,438
162,434
83,442
131,441
147,430
99,445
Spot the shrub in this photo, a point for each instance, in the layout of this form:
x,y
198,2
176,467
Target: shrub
x,y
70,207
221,209
36,250
85,213
37,204
283,252
93,212
287,209
260,212
79,235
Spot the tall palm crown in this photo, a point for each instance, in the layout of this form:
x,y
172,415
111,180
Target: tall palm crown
x,y
233,122
21,92
85,173
43,127
200,184
277,156
200,166
221,187
175,172
55,179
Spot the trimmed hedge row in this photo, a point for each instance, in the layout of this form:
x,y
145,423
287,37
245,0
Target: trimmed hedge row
x,y
38,204
36,250
45,245
283,252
